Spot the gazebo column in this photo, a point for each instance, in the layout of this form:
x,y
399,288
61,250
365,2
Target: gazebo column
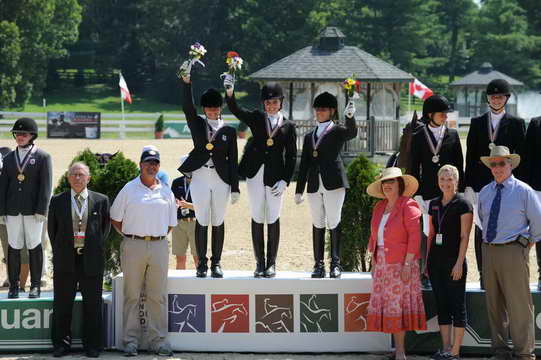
x,y
291,101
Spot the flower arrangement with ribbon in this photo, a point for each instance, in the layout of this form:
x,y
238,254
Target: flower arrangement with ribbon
x,y
197,51
352,87
234,62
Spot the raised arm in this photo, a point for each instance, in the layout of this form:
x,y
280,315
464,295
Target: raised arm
x,y
187,101
243,115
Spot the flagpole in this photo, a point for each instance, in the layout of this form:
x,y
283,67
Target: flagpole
x,y
409,100
122,125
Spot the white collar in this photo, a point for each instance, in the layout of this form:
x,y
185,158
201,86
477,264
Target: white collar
x,y
215,124
496,117
84,193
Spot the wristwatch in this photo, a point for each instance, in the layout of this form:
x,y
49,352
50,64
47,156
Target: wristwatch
x,y
407,264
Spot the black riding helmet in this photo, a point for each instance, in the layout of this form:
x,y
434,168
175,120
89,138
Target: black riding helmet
x,y
25,125
326,100
434,104
212,98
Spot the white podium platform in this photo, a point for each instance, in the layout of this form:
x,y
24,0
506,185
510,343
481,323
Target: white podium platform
x,y
290,313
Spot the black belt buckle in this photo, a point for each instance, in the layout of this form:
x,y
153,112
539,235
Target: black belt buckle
x,y
524,242
79,250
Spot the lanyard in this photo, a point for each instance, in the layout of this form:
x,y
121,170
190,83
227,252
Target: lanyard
x,y
78,212
315,143
186,190
441,216
22,165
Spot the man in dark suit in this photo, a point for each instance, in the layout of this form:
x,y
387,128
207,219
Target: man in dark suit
x,y
496,127
532,172
78,226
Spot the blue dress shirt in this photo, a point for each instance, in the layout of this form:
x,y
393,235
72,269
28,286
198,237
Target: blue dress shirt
x,y
520,212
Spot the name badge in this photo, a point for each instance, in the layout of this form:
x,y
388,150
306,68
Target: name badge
x,y
79,238
439,239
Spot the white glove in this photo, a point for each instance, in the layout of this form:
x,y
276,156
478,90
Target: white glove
x,y
40,218
350,109
278,188
235,196
421,203
185,70
469,194
298,198
229,84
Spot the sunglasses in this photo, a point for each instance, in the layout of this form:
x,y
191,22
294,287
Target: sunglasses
x,y
497,163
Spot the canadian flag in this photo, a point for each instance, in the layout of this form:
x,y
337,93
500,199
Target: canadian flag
x,y
420,90
125,92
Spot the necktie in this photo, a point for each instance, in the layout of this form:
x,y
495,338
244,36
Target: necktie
x,y
78,201
494,212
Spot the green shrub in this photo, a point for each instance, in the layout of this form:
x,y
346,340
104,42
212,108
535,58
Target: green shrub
x,y
356,214
107,180
159,124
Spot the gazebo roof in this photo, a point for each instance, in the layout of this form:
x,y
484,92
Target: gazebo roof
x,y
483,76
330,60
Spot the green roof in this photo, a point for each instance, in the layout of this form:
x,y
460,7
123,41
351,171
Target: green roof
x,y
483,76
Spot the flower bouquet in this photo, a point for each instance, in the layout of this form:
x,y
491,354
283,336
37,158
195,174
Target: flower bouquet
x,y
234,63
197,51
352,87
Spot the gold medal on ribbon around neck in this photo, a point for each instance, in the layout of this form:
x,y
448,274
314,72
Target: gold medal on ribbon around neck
x,y
21,177
314,153
209,146
270,142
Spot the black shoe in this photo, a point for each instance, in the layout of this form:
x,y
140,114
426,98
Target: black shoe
x,y
259,270
270,271
258,244
34,293
335,271
201,239
13,292
92,353
216,271
319,270
318,244
60,351
202,269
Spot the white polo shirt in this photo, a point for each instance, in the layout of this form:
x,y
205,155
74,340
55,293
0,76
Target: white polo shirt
x,y
144,211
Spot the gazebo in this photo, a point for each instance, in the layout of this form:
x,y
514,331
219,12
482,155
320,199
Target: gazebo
x,y
323,67
470,97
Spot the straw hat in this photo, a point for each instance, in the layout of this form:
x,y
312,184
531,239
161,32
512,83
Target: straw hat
x,y
501,151
411,184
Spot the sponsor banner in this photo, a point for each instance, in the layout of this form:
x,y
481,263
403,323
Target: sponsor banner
x,y
180,129
73,125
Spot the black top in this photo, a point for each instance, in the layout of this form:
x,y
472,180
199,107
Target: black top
x,y
425,170
179,189
224,146
450,226
532,154
511,133
279,159
328,162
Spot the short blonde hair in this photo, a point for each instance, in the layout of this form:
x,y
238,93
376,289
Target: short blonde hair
x,y
449,169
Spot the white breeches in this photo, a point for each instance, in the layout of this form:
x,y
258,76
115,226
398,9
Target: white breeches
x,y
23,228
264,206
326,206
423,205
210,196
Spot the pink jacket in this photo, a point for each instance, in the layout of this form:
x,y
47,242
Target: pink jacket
x,y
402,231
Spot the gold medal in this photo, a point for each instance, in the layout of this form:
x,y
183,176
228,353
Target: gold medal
x,y
20,177
270,142
209,146
314,154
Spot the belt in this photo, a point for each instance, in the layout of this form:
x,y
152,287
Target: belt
x,y
146,238
79,250
190,219
504,244
209,166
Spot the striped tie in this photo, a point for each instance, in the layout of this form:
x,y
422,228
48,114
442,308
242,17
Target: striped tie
x,y
494,212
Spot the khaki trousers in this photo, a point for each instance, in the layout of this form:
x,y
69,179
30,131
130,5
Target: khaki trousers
x,y
145,262
506,271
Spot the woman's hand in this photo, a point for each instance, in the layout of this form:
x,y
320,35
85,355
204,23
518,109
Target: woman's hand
x,y
186,79
456,273
405,274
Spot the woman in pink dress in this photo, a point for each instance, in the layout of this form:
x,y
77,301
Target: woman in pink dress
x,y
396,303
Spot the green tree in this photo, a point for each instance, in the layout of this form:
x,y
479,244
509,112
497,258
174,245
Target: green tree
x,y
10,53
45,27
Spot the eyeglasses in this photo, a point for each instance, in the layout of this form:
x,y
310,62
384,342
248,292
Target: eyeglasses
x,y
497,163
78,175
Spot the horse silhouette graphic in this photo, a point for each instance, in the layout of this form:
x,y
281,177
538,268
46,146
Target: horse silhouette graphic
x,y
275,318
313,317
183,318
227,317
356,306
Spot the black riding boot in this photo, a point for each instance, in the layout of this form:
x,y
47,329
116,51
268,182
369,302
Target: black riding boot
x,y
318,242
201,239
35,259
258,243
336,269
14,271
273,239
218,234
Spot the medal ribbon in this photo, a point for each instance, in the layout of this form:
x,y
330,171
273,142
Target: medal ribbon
x,y
186,190
22,166
315,144
492,134
435,150
211,136
278,124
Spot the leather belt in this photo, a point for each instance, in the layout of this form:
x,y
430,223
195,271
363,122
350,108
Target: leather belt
x,y
79,250
190,219
504,244
209,166
145,238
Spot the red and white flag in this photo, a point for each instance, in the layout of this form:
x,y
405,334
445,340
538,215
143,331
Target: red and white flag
x,y
124,89
420,90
